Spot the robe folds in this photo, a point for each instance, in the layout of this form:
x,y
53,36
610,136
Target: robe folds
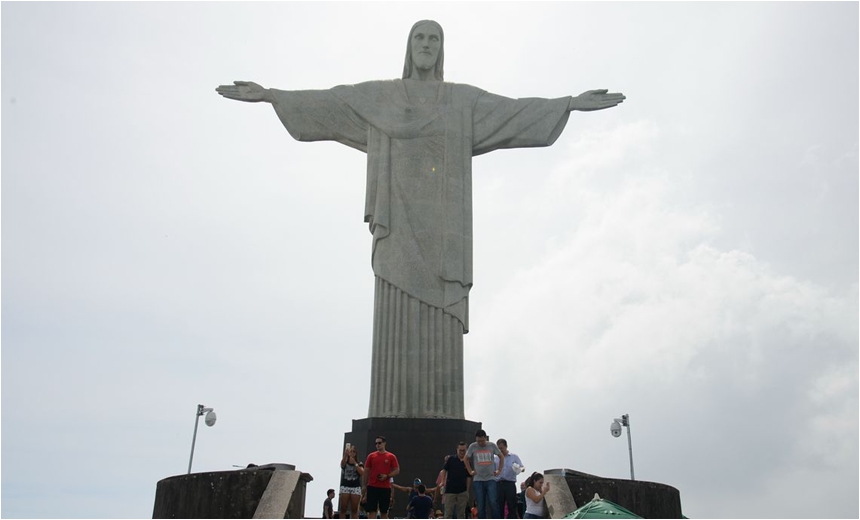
x,y
419,142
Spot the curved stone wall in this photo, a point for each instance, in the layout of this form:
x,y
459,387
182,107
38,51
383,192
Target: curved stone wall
x,y
243,493
646,499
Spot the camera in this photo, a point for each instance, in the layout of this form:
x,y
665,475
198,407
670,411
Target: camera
x,y
615,429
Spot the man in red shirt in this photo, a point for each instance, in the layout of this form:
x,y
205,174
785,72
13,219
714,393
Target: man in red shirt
x,y
379,469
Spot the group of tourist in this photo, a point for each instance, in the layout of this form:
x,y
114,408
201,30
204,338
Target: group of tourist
x,y
487,467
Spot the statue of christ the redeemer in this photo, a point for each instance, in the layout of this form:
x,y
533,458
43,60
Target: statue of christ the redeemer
x,y
420,134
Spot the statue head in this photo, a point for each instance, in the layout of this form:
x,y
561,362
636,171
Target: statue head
x,y
426,34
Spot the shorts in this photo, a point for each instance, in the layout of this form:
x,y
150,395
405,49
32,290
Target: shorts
x,y
344,490
378,497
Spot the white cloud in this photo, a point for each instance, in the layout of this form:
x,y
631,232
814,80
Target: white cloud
x,y
633,308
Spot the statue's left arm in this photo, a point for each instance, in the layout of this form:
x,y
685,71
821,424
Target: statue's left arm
x,y
500,122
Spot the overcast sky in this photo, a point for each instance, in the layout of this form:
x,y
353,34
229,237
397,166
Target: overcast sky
x,y
689,257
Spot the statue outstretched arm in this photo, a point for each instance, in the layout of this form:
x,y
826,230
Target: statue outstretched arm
x,y
308,115
595,100
247,91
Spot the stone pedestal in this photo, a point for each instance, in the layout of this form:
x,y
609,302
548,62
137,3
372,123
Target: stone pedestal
x,y
419,444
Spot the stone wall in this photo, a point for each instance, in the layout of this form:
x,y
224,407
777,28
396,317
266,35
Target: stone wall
x,y
261,492
646,499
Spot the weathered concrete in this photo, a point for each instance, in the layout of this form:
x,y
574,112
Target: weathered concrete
x,y
559,500
261,492
646,499
276,499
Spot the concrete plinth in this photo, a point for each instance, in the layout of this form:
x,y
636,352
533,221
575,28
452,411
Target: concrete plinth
x,y
419,444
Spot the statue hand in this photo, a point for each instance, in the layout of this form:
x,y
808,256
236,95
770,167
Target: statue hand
x,y
595,100
244,91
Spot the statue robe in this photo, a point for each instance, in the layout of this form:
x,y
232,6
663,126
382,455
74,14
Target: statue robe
x,y
419,208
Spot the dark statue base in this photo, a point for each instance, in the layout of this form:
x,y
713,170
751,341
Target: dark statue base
x,y
419,444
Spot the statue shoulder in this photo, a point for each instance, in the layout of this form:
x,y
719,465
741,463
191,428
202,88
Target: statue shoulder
x,y
463,87
368,91
385,85
464,93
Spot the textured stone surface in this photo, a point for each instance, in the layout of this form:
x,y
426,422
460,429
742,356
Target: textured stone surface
x,y
232,494
278,495
646,499
559,500
417,358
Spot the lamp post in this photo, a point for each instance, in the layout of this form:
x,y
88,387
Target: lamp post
x,y
615,428
210,421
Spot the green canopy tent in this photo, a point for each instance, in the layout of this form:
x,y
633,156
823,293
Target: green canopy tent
x,y
601,508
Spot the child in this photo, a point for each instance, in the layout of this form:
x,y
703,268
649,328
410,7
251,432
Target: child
x,y
421,505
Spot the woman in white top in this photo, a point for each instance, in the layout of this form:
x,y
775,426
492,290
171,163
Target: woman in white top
x,y
535,493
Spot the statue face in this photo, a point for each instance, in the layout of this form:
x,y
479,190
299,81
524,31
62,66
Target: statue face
x,y
426,42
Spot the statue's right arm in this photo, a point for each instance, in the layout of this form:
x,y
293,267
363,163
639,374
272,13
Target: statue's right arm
x,y
247,91
308,115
